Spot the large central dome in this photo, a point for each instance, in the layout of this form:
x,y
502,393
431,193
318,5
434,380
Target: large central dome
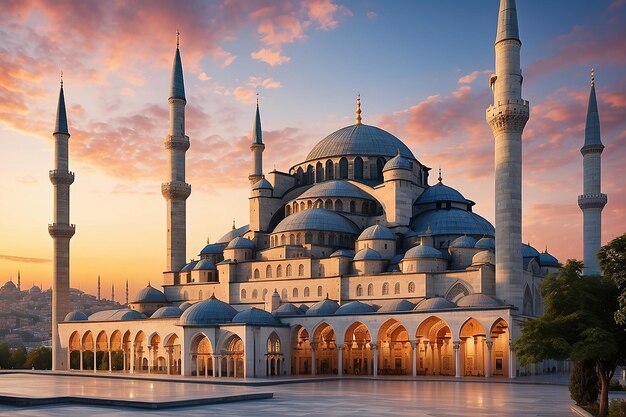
x,y
359,139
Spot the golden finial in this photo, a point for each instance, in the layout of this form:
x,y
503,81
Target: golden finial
x,y
439,178
358,109
61,78
177,38
234,224
257,99
593,77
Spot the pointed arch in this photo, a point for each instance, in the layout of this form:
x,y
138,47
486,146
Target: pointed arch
x,y
330,170
527,305
319,172
358,168
456,291
343,168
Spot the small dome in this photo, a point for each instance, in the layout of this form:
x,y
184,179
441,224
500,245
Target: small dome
x,y
150,295
441,193
435,303
423,251
325,307
167,312
303,307
117,315
263,184
377,232
396,259
240,231
486,243
478,300
545,259
397,162
9,285
204,264
288,309
335,189
211,311
241,243
528,251
451,222
463,242
484,257
343,252
185,305
213,249
395,305
355,307
255,317
317,219
367,254
75,316
34,290
190,266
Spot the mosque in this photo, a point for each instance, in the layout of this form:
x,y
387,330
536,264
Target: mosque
x,y
354,262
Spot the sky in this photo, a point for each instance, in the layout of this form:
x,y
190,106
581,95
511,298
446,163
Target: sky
x,y
421,68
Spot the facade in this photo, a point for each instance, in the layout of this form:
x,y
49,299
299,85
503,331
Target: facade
x,y
353,262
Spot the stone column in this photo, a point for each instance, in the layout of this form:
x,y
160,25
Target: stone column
x,y
435,353
133,358
488,359
95,359
168,353
413,361
457,358
81,359
110,363
124,358
340,360
427,365
213,366
313,362
512,364
150,360
375,358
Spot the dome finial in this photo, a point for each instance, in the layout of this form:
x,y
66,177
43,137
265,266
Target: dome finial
x,y
234,224
358,109
439,178
593,77
177,38
61,78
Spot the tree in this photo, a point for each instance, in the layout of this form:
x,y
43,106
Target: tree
x,y
577,324
18,358
583,384
612,257
40,358
5,356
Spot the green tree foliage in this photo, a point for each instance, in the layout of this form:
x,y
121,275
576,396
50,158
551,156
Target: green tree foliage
x,y
583,384
39,358
578,324
612,259
18,358
117,360
5,356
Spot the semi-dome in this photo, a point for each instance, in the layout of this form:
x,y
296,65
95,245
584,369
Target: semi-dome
x,y
435,303
241,243
451,222
440,193
255,316
188,267
117,315
377,232
288,309
397,162
359,140
335,189
486,243
484,257
240,231
395,305
355,307
213,249
463,242
323,308
263,184
367,254
204,265
423,251
185,305
342,252
75,316
317,219
150,294
208,312
478,300
167,312
545,259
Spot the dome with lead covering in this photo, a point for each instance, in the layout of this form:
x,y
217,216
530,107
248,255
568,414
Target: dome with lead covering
x,y
463,242
395,305
486,243
367,254
240,231
204,264
484,257
167,312
547,260
241,243
377,232
441,193
423,251
150,294
435,303
117,315
528,251
208,312
263,184
255,316
323,308
342,252
75,316
335,189
317,219
185,305
213,249
190,266
451,222
397,162
478,300
288,309
355,307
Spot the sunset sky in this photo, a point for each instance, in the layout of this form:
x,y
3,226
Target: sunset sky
x,y
421,68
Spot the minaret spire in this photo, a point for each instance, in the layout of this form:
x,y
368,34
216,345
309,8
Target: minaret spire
x,y
61,231
126,292
257,147
507,117
113,293
592,201
358,110
98,287
19,281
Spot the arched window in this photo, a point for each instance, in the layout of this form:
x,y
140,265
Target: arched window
x,y
257,274
283,239
299,239
283,294
268,272
296,207
359,290
309,174
380,164
396,288
302,206
411,287
292,239
309,204
279,271
300,176
319,291
352,207
319,203
386,288
338,205
321,270
289,270
328,204
343,168
264,293
273,343
320,238
243,294
370,289
358,168
295,292
365,208
307,292
331,239
308,237
300,270
330,170
287,210
255,294
319,172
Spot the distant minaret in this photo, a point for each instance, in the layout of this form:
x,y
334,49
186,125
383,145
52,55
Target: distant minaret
x,y
98,287
113,293
61,231
19,281
592,201
257,147
126,292
176,190
507,117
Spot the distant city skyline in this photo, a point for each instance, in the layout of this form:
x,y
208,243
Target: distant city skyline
x,y
421,69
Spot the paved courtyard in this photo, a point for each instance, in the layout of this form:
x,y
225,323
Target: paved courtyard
x,y
332,398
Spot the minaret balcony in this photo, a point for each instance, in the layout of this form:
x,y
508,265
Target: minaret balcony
x,y
508,115
61,230
59,176
180,143
592,201
175,190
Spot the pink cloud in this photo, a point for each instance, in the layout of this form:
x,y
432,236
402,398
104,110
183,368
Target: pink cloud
x,y
325,12
270,56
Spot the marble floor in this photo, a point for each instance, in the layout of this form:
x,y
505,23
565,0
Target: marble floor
x,y
331,398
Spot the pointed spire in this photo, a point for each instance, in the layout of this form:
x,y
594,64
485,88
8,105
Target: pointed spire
x,y
358,109
61,120
177,86
234,224
592,126
439,178
507,21
257,133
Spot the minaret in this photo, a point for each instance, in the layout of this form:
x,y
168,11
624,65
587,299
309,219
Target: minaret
x,y
592,201
176,190
507,117
61,231
19,281
126,292
113,293
98,287
257,147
